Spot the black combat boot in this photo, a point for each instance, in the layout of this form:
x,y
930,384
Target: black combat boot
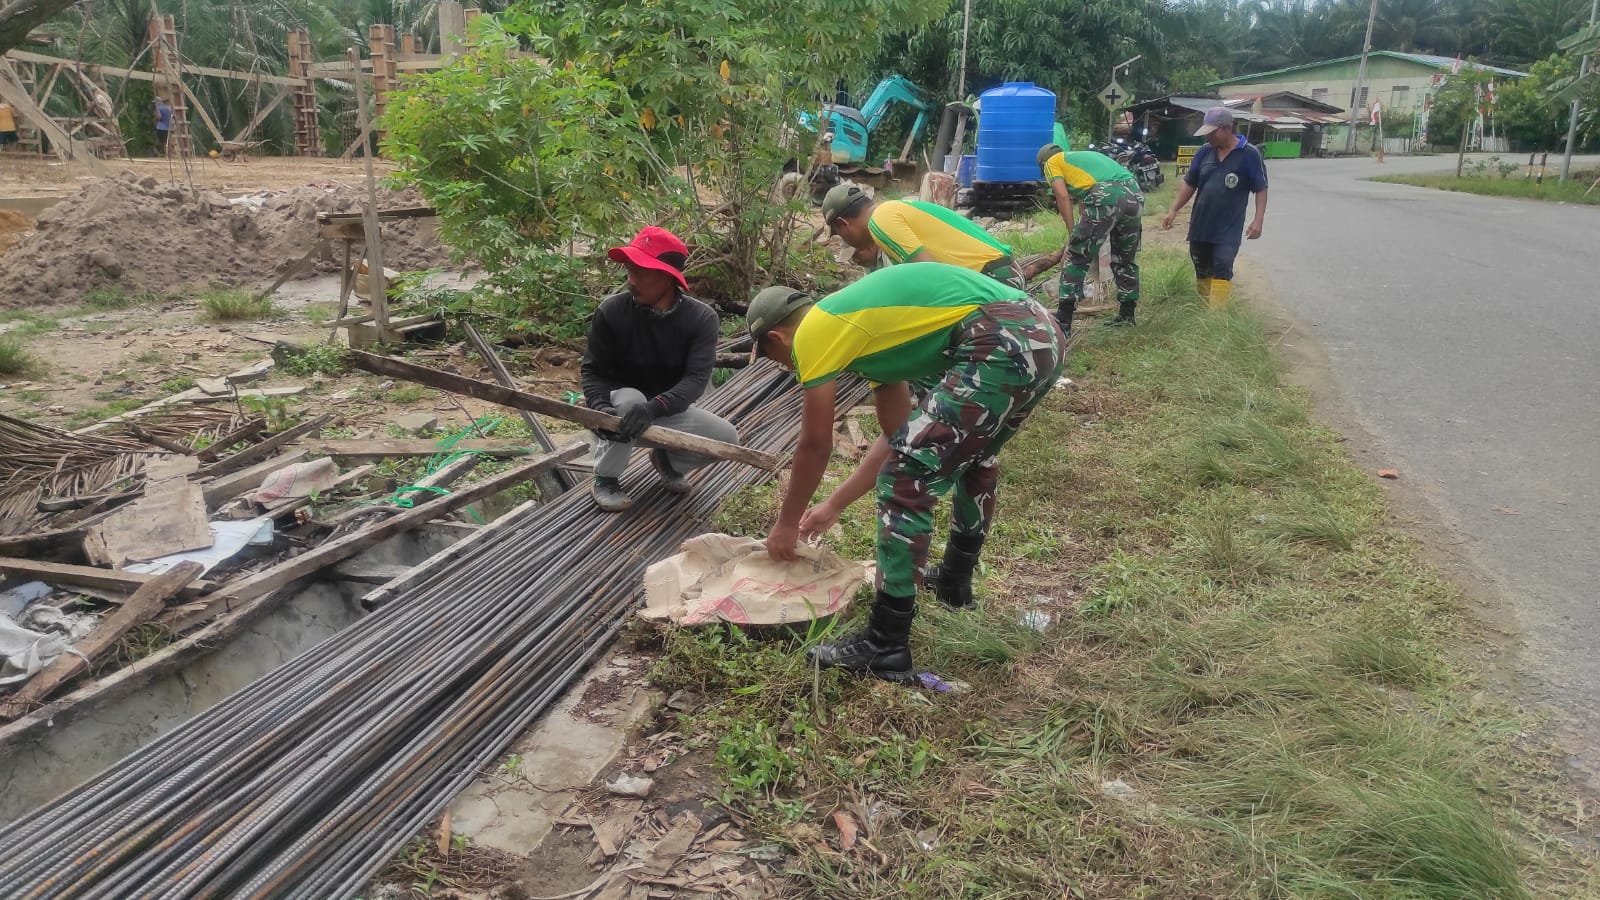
x,y
953,575
1064,313
1125,313
882,649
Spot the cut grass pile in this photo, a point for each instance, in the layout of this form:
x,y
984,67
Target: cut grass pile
x,y
1206,664
1574,190
234,305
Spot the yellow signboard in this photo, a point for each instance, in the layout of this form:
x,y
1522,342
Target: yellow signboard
x,y
1186,156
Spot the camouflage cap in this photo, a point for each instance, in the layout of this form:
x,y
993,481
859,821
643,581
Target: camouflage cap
x,y
1047,151
771,306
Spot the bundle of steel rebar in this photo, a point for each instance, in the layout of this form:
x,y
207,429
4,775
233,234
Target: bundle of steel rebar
x,y
311,778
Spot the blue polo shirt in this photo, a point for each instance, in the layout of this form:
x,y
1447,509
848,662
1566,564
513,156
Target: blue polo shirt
x,y
1222,190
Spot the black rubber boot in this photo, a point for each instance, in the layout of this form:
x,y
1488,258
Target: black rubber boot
x,y
882,649
1064,312
609,495
671,480
1125,310
953,584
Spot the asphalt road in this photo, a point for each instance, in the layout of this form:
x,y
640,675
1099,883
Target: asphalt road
x,y
1463,334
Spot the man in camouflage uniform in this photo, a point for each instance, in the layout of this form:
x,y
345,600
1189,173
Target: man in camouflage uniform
x,y
1112,207
990,354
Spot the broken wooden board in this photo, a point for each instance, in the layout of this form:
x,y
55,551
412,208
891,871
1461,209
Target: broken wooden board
x,y
391,448
61,574
220,490
143,606
654,436
170,517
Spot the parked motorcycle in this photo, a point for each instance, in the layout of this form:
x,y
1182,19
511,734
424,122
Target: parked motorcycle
x,y
1136,157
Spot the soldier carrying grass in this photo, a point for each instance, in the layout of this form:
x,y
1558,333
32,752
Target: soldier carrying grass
x,y
990,355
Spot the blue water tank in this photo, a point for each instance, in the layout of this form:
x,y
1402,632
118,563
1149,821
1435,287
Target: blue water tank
x,y
1014,121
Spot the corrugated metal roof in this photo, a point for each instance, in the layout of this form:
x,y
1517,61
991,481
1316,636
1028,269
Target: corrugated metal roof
x,y
1444,63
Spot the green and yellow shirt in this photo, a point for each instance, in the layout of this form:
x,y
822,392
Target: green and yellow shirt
x,y
903,227
893,324
1083,169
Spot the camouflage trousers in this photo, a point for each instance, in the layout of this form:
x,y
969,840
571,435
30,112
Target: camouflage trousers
x,y
1004,359
1110,209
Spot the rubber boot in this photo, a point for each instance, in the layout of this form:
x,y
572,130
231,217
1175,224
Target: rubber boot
x,y
1221,293
1125,314
609,495
1202,287
952,577
882,649
1064,314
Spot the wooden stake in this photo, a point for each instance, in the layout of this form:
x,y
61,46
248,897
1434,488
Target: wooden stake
x,y
143,606
378,291
654,436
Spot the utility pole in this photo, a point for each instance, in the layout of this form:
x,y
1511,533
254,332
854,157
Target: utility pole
x,y
1361,77
966,26
1572,120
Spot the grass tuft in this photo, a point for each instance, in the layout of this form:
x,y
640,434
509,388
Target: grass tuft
x,y
234,305
14,356
1553,189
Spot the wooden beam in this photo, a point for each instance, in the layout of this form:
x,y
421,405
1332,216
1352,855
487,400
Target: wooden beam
x,y
224,488
144,605
89,576
267,447
556,481
205,117
654,436
65,146
263,583
262,113
390,448
138,75
377,286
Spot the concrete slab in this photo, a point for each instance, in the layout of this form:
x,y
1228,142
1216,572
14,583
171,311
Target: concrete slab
x,y
515,806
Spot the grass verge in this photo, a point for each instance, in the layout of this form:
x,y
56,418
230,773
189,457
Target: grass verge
x,y
1206,664
14,356
1575,190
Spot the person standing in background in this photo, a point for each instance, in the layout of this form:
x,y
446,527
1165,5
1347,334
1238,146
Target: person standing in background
x,y
1223,175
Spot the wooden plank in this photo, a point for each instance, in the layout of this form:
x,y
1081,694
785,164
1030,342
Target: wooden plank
x,y
261,114
244,432
267,447
555,482
247,590
65,146
170,517
89,576
220,490
390,448
139,75
146,602
205,117
378,288
654,436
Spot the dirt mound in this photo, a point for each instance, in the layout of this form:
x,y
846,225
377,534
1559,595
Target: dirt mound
x,y
12,226
144,235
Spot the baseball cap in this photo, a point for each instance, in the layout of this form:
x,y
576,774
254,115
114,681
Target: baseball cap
x,y
840,200
655,248
771,306
1047,151
1216,117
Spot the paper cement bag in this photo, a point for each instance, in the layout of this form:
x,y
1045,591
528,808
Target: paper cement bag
x,y
721,578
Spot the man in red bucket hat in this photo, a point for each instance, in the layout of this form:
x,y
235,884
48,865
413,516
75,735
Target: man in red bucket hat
x,y
649,358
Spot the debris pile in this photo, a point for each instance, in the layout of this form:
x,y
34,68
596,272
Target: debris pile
x,y
148,235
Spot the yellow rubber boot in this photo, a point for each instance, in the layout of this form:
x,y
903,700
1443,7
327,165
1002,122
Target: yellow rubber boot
x,y
1221,291
1202,286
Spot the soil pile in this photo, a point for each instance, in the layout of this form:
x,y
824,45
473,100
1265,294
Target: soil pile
x,y
12,226
143,235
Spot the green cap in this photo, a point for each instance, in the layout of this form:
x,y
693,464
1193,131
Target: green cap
x,y
771,306
840,199
1047,151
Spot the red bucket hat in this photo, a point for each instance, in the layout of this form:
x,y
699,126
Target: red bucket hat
x,y
655,248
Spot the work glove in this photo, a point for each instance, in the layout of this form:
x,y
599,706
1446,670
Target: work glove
x,y
636,417
605,434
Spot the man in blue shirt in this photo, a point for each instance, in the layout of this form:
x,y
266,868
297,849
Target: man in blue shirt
x,y
1223,174
163,124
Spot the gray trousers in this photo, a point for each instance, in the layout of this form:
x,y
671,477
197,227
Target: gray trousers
x,y
611,457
